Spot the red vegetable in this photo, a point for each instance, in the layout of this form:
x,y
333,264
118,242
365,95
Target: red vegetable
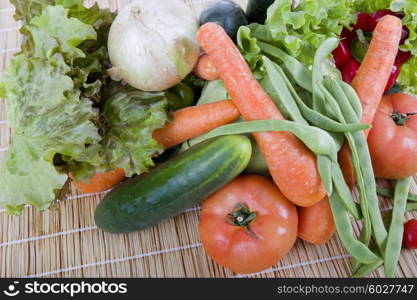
x,y
402,57
248,225
378,15
365,22
349,70
395,72
342,54
393,138
410,234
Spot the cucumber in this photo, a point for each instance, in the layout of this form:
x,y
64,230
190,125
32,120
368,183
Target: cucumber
x,y
256,10
227,14
173,186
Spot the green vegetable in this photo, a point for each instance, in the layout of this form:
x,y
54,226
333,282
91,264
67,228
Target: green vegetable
x,y
49,90
396,229
357,249
173,186
213,91
227,14
316,139
360,45
53,129
39,96
298,31
365,269
181,96
411,206
130,116
256,10
390,193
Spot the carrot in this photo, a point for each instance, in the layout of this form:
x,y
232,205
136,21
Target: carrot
x,y
292,166
100,182
193,121
372,78
204,69
315,223
188,122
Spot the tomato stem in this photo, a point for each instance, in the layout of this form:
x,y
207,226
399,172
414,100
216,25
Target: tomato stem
x,y
401,119
242,216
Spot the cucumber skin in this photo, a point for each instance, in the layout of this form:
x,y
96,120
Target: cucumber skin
x,y
173,186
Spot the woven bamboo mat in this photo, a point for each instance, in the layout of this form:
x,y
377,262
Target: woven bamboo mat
x,y
64,242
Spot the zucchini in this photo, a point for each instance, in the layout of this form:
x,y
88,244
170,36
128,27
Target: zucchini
x,y
256,10
227,14
173,186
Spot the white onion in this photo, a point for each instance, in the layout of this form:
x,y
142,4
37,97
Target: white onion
x,y
153,44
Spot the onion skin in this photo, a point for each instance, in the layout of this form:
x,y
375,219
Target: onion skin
x,y
153,44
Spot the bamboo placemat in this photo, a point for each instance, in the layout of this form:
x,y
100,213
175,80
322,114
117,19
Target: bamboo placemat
x,y
64,242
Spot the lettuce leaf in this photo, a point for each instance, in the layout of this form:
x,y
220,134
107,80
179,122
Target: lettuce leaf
x,y
301,30
50,123
130,116
53,32
408,76
52,89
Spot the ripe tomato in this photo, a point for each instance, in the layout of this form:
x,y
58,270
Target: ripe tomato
x,y
248,225
393,138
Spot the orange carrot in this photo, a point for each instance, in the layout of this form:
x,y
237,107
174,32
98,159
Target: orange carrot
x,y
100,182
292,166
374,72
204,69
315,223
372,77
193,121
188,122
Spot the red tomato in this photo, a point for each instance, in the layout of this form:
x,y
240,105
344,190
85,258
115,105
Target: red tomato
x,y
392,142
248,225
410,234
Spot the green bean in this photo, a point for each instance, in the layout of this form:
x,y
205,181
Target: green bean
x,y
316,139
324,165
316,118
301,74
344,228
353,98
365,166
389,193
344,192
278,90
411,206
320,63
366,269
396,229
367,228
342,99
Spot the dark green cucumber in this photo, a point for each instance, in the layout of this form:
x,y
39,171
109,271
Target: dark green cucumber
x,y
174,186
257,9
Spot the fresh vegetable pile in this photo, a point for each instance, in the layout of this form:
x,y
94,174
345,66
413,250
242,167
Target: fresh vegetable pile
x,y
308,95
